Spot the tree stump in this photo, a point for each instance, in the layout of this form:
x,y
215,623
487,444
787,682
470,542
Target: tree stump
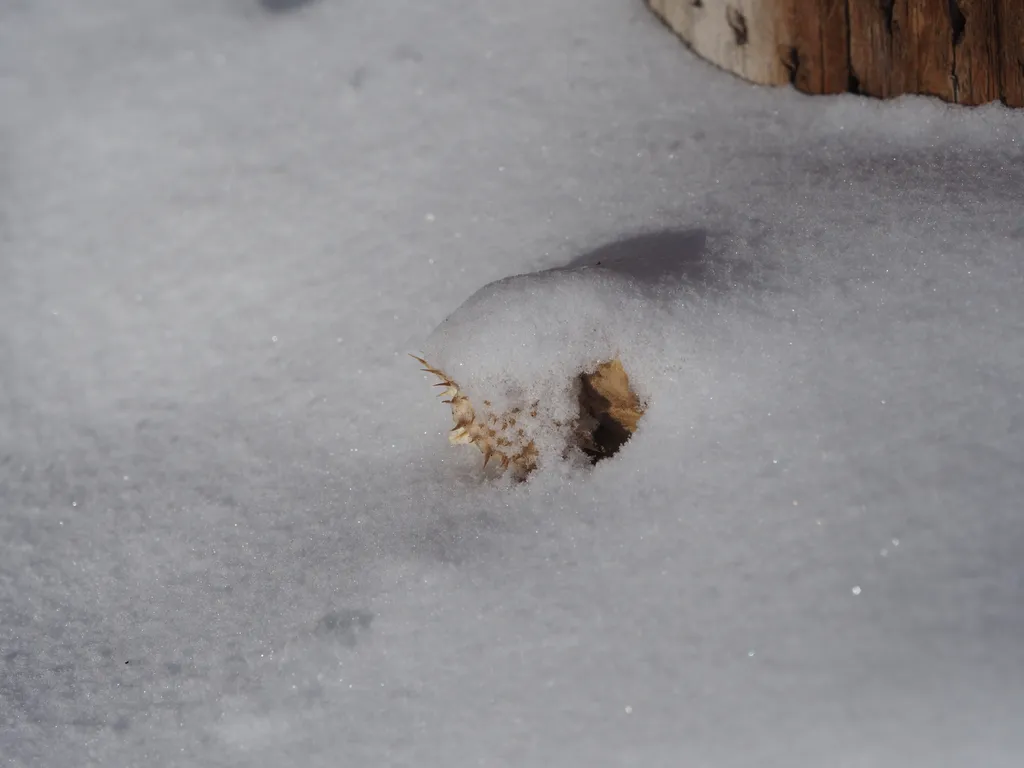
x,y
963,51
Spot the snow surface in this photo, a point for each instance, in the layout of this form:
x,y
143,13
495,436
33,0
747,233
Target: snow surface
x,y
232,532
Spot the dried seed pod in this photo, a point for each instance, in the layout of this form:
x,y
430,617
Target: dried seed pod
x,y
498,436
608,414
609,410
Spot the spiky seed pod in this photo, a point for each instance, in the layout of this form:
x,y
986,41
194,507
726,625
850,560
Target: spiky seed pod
x,y
497,436
608,416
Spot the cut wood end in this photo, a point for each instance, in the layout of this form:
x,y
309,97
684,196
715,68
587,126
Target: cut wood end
x,y
966,52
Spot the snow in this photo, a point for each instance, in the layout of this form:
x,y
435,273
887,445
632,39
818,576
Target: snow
x,y
232,531
519,345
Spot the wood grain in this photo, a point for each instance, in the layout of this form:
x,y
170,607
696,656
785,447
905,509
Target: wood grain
x,y
963,51
1010,17
976,53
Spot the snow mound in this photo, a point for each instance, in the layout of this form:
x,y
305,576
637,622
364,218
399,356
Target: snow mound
x,y
521,344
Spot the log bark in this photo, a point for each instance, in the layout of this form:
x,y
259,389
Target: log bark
x,y
963,51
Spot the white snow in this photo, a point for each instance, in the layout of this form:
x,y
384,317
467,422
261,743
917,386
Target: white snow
x,y
232,532
518,345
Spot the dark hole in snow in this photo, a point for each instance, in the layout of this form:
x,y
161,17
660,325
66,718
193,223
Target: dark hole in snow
x,y
609,411
606,436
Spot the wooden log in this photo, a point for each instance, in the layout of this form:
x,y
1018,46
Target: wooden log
x,y
1010,17
963,51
